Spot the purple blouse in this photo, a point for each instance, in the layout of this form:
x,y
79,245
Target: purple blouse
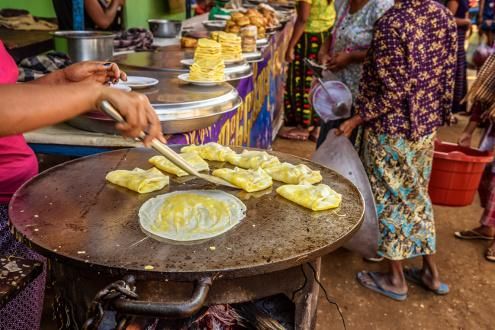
x,y
408,75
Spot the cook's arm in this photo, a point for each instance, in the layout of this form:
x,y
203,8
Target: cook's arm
x,y
24,107
453,5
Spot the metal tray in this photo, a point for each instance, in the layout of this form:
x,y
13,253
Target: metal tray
x,y
180,107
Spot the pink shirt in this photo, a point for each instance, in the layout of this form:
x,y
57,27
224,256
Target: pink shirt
x,y
17,161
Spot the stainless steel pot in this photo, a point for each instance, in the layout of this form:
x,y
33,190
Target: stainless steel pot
x,y
85,45
162,28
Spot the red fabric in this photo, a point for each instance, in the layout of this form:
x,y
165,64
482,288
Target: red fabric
x,y
488,218
17,161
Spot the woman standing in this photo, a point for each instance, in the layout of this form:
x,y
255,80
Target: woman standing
x,y
345,49
54,98
405,93
460,10
314,20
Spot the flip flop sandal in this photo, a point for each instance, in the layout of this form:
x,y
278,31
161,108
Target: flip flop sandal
x,y
471,234
374,259
292,135
414,275
490,255
376,287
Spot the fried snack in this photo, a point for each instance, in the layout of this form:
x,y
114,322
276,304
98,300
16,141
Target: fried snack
x,y
248,180
261,32
191,158
242,21
257,21
316,198
187,42
210,151
208,62
248,35
139,180
234,29
236,15
293,174
253,159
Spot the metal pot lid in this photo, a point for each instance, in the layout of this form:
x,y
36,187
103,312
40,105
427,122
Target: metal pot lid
x,y
70,213
84,34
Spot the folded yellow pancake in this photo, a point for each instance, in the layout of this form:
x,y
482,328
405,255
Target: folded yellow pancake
x,y
192,158
247,180
208,62
230,43
253,159
293,174
139,180
191,215
316,198
210,151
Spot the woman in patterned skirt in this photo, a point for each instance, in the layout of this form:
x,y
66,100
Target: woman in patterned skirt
x,y
314,20
54,98
405,93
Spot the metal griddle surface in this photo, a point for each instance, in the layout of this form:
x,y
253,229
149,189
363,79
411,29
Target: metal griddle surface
x,y
71,213
165,59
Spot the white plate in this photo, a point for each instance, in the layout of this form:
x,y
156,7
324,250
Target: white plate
x,y
121,86
136,82
224,17
215,23
185,77
231,78
190,61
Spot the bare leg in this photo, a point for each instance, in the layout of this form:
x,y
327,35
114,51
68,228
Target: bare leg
x,y
430,276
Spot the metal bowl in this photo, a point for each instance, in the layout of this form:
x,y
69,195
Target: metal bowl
x,y
85,45
162,28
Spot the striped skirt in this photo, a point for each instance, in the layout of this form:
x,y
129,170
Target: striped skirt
x,y
460,88
298,111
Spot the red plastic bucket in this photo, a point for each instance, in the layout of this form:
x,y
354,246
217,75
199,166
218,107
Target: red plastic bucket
x,y
456,173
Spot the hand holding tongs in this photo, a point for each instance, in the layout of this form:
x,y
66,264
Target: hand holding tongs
x,y
165,150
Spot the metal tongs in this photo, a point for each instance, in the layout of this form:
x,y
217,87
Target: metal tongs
x,y
165,150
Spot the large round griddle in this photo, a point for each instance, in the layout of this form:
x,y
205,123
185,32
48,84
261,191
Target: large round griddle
x,y
165,59
72,214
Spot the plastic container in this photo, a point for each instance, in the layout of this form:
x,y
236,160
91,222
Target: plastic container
x,y
456,173
334,103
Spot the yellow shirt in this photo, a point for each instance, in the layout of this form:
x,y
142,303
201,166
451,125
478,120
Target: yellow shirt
x,y
321,16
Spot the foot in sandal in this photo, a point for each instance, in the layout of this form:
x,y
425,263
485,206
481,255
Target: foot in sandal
x,y
490,252
482,232
294,133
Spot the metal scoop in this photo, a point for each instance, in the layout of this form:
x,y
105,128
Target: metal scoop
x,y
165,150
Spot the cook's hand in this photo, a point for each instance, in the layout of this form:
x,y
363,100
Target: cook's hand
x,y
465,140
136,110
339,61
102,72
289,55
348,126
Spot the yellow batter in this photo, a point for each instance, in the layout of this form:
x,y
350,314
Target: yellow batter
x,y
191,215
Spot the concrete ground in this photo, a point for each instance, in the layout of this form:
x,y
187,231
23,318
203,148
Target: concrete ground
x,y
461,263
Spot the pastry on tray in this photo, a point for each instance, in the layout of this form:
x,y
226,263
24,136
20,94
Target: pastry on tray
x,y
293,174
139,180
253,159
247,180
316,198
210,151
191,158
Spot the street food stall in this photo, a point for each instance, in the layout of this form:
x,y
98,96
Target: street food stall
x,y
254,123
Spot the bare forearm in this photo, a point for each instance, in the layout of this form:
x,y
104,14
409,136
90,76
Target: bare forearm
x,y
358,56
102,17
297,33
53,78
25,107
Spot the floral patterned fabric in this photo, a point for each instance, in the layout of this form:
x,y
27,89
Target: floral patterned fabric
x,y
399,172
408,80
354,32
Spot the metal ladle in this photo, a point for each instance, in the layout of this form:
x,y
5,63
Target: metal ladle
x,y
165,150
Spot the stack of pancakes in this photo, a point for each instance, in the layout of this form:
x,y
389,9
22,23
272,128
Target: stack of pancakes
x,y
208,62
231,45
